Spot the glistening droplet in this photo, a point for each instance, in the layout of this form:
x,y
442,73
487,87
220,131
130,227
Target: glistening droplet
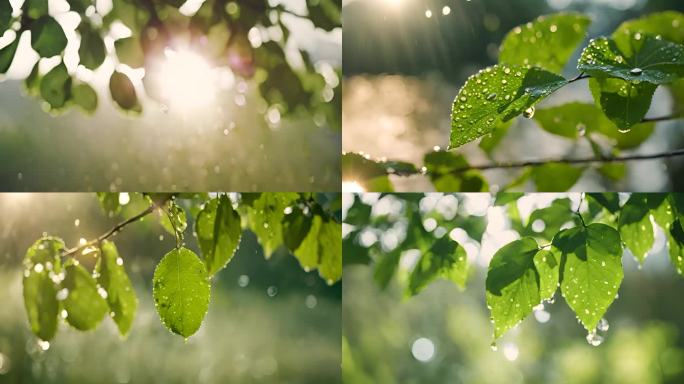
x,y
529,113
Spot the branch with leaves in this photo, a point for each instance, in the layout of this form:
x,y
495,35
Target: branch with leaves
x,y
575,250
143,31
81,285
623,72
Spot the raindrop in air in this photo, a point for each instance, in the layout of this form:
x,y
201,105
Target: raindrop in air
x,y
529,113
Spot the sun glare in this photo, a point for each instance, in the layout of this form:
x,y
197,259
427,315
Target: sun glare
x,y
188,82
352,187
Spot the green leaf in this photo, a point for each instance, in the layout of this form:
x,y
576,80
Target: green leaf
x,y
47,37
548,42
504,198
555,177
675,241
218,231
330,251
548,266
591,270
446,259
308,251
296,226
40,292
181,291
173,219
265,219
123,92
553,217
661,209
79,6
386,266
7,55
55,87
85,306
113,278
624,103
359,213
109,201
5,16
610,201
448,172
85,97
654,61
667,25
325,14
613,171
575,119
495,95
130,52
92,49
635,226
370,175
512,284
491,141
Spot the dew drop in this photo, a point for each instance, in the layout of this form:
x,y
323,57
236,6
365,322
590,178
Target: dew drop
x,y
529,113
494,346
581,129
603,325
594,339
636,71
44,345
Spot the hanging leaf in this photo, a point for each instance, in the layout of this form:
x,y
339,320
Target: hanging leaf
x,y
592,270
123,92
512,284
495,95
84,304
667,25
47,37
218,233
548,42
85,97
41,264
635,226
266,216
55,87
112,277
7,55
330,251
624,103
181,291
92,49
547,263
446,259
296,226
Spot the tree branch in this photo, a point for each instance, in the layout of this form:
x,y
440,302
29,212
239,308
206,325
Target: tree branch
x,y
113,231
536,163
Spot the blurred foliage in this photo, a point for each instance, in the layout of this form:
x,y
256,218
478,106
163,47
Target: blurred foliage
x,y
420,239
216,29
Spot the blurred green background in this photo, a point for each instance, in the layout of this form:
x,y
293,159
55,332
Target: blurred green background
x,y
443,334
402,70
268,321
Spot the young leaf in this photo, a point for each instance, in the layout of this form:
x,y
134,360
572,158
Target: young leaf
x,y
265,218
296,226
7,55
47,37
40,293
113,278
330,251
495,95
624,103
181,291
446,259
654,61
512,284
173,219
548,266
591,270
55,87
123,92
85,97
84,304
635,226
548,42
556,177
92,49
218,233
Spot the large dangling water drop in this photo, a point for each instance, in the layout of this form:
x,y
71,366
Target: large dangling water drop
x,y
603,325
594,339
494,346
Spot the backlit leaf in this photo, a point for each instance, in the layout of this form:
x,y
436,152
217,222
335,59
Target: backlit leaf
x,y
47,37
84,304
218,231
113,278
635,226
446,259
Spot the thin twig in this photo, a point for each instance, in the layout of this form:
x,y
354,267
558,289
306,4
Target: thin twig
x,y
579,77
113,231
661,118
536,163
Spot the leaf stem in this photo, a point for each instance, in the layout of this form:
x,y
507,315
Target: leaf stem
x,y
661,118
111,232
579,77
